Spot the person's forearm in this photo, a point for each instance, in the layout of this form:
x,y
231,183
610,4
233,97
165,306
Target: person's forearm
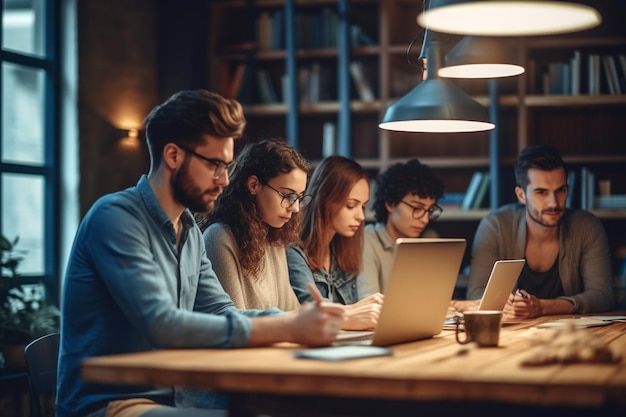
x,y
557,306
268,330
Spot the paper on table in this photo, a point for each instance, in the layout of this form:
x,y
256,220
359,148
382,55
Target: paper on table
x,y
343,352
612,319
578,322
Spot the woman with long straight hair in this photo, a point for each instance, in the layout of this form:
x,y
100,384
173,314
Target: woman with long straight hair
x,y
330,254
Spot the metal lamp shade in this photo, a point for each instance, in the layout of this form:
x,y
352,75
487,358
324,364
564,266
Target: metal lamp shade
x,y
507,17
482,57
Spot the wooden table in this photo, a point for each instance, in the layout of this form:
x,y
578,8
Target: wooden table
x,y
431,377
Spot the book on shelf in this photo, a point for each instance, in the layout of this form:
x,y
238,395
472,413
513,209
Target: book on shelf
x,y
241,84
328,139
285,83
557,78
481,195
236,81
264,31
587,188
360,80
571,188
304,92
277,30
266,88
575,77
621,58
593,73
610,202
317,29
314,82
610,71
451,201
472,190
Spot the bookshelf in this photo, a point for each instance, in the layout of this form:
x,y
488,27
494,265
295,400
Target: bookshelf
x,y
589,129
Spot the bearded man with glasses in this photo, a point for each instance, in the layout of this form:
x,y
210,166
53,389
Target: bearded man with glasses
x,y
405,203
138,277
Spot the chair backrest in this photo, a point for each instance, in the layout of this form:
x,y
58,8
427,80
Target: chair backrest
x,y
41,361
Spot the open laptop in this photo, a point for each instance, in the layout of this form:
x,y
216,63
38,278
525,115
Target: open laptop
x,y
502,281
421,284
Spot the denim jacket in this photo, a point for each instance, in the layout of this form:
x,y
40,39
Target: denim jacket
x,y
336,285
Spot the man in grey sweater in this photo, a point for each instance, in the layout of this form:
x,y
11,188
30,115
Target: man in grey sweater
x,y
568,266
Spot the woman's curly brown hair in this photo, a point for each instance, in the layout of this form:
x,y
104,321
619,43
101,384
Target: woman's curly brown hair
x,y
237,209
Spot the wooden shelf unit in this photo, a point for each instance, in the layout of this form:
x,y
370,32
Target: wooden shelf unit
x,y
589,129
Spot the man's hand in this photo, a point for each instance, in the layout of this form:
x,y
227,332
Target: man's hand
x,y
314,324
523,305
317,323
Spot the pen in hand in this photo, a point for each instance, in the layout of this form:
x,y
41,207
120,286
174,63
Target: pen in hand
x,y
522,294
315,293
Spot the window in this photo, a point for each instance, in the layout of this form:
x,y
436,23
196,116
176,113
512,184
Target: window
x,y
29,151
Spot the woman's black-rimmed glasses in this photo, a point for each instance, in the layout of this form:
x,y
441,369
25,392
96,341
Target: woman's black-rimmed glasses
x,y
289,199
418,212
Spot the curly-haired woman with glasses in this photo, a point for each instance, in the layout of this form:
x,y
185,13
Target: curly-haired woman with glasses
x,y
405,203
253,222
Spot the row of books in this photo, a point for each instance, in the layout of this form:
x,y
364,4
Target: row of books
x,y
476,194
313,29
316,83
586,192
583,74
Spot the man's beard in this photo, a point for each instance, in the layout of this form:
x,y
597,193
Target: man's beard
x,y
535,215
186,193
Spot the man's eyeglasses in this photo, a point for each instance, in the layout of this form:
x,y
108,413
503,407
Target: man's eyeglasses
x,y
221,167
418,212
289,199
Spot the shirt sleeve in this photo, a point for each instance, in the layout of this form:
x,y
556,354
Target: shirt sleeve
x,y
223,253
369,279
587,266
299,273
143,278
484,254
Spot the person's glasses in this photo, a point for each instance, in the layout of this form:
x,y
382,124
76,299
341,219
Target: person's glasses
x,y
289,199
221,167
418,212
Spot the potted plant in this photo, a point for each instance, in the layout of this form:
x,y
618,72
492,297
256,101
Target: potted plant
x,y
25,314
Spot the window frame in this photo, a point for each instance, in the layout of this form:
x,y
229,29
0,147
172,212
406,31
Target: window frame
x,y
50,170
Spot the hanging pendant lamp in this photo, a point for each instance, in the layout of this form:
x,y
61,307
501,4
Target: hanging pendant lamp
x,y
482,57
507,17
436,105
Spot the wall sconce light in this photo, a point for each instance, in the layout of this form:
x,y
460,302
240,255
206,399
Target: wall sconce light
x,y
507,17
482,57
436,105
130,138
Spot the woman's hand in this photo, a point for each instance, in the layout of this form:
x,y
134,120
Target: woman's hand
x,y
363,315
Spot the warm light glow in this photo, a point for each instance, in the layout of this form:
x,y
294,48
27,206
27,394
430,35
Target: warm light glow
x,y
437,126
133,133
508,18
130,142
481,71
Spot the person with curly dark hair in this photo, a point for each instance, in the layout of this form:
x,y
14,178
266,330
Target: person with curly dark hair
x,y
254,220
405,203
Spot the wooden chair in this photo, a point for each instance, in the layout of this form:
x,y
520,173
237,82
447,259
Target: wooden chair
x,y
41,362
